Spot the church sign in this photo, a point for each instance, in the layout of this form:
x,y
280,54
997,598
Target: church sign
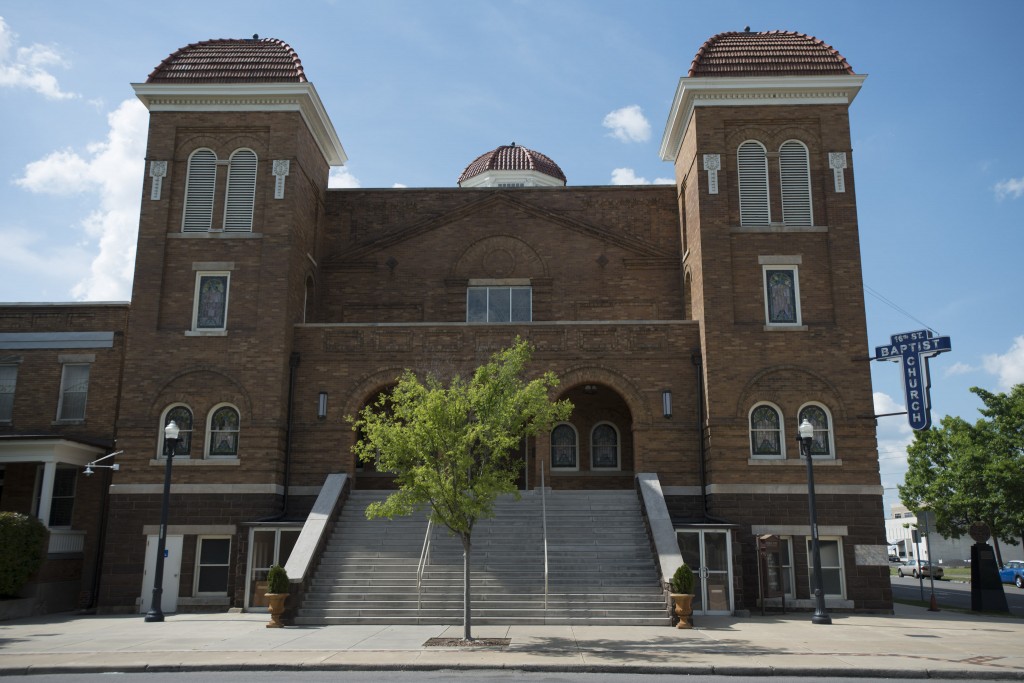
x,y
912,351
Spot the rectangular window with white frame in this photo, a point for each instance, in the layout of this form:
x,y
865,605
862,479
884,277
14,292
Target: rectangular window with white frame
x,y
8,381
499,304
832,580
210,305
74,391
782,295
213,561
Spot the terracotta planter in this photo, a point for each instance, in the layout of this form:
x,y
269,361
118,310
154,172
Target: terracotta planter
x,y
683,608
276,607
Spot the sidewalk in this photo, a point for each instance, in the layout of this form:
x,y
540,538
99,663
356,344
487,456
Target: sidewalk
x,y
913,643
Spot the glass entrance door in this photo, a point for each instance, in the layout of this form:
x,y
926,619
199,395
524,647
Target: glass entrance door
x,y
708,552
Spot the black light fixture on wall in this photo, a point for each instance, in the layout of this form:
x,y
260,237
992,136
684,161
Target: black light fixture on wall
x,y
321,406
666,403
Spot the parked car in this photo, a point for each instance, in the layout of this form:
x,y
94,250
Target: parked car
x,y
1013,572
917,568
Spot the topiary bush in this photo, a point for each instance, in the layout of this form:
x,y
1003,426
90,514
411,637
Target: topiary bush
x,y
277,580
682,580
22,538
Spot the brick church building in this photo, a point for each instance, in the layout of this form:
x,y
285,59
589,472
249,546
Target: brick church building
x,y
692,325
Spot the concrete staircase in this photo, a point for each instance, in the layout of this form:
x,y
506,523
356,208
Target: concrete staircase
x,y
601,568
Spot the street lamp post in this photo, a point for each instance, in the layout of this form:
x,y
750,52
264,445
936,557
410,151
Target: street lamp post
x,y
155,612
804,437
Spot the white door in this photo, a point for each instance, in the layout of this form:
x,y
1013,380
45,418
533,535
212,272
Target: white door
x,y
172,572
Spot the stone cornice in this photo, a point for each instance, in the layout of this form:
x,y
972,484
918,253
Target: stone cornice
x,y
751,91
300,97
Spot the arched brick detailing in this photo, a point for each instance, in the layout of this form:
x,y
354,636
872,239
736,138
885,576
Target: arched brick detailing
x,y
161,399
639,407
774,384
369,387
518,258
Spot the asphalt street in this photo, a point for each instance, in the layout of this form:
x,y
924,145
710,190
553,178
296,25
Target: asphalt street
x,y
952,594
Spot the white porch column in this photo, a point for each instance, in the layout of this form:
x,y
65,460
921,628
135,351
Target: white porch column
x,y
46,493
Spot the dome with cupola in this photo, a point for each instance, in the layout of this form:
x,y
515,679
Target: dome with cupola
x,y
512,165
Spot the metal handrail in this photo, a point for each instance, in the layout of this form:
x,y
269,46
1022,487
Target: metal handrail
x,y
544,524
424,560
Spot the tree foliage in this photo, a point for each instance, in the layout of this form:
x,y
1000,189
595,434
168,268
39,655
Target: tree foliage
x,y
966,473
22,538
453,448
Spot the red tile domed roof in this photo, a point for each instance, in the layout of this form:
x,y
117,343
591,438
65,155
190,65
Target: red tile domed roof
x,y
231,60
767,53
512,158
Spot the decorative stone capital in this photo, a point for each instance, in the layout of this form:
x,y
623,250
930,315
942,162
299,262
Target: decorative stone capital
x,y
712,164
837,162
157,171
282,167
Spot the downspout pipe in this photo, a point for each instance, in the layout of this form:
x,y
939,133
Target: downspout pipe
x,y
698,364
293,366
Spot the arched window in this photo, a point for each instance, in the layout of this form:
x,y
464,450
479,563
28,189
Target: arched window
x,y
564,446
223,432
604,447
766,437
795,174
199,189
182,416
241,191
821,442
752,163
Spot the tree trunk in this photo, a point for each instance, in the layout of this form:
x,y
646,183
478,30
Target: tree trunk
x,y
467,613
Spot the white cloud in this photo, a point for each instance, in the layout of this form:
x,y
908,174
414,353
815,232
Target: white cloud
x,y
1013,188
340,177
399,185
27,67
1009,366
627,176
894,435
26,254
959,369
112,171
628,124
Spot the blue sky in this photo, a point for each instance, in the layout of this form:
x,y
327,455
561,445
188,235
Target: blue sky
x,y
418,89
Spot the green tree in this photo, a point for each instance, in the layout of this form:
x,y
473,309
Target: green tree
x,y
965,473
451,447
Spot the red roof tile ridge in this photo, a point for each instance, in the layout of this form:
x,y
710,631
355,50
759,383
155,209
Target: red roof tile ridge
x,y
711,51
274,50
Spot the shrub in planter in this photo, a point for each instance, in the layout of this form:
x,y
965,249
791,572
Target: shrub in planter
x,y
277,580
682,580
22,538
277,593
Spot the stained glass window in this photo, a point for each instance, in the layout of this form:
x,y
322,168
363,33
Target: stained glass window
x,y
212,302
604,446
563,447
821,442
224,432
781,296
765,431
182,417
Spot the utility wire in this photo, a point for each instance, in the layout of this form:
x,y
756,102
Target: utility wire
x,y
896,307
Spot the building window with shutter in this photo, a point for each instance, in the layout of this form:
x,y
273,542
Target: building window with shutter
x,y
795,177
241,191
74,390
752,164
200,185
